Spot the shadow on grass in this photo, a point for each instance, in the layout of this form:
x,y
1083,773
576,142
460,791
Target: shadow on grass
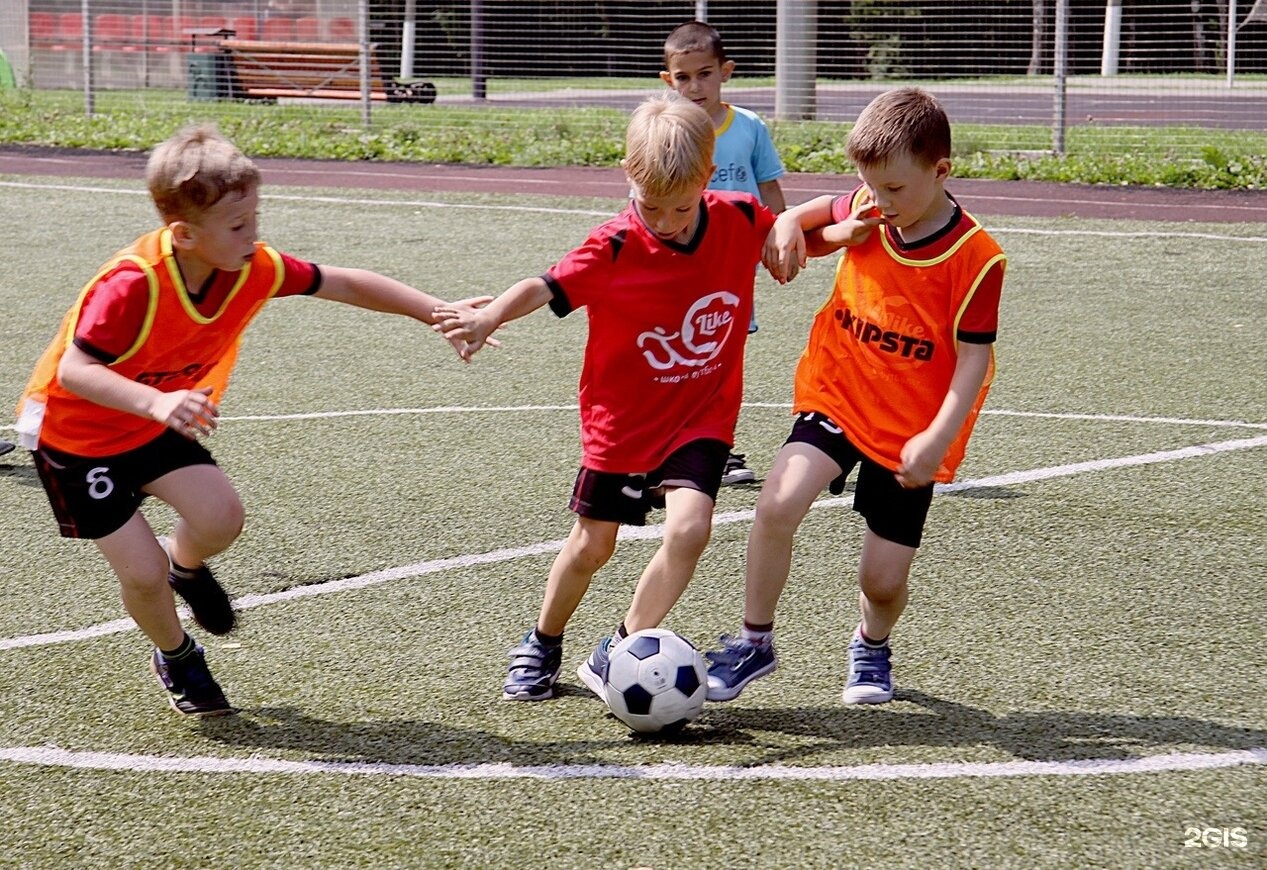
x,y
1042,736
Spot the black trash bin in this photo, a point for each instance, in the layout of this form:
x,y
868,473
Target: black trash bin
x,y
208,74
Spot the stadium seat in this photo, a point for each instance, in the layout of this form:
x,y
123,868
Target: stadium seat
x,y
157,31
70,32
243,27
308,29
113,32
43,30
278,30
342,30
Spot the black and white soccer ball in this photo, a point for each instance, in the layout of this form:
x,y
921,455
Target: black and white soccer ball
x,y
656,681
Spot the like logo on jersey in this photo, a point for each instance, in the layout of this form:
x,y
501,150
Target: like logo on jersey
x,y
701,337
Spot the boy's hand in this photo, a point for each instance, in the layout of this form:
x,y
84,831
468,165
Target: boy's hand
x,y
920,457
189,412
854,229
465,325
784,252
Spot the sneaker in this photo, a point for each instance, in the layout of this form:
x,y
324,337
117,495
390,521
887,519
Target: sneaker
x,y
737,664
191,689
206,599
6,446
534,669
737,471
870,679
594,672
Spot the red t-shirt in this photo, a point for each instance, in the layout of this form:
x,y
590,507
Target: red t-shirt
x,y
667,326
114,310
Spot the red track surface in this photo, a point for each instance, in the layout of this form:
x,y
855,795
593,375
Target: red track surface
x,y
1032,198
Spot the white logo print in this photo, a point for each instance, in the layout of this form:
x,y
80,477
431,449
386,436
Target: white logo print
x,y
705,329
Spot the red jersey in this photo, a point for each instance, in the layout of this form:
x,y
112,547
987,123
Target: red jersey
x,y
883,349
667,327
138,317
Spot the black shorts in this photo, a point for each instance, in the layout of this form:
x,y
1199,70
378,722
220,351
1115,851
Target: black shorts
x,y
94,496
893,512
628,498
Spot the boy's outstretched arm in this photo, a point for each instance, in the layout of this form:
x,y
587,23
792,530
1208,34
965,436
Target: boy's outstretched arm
x,y
923,453
471,325
376,292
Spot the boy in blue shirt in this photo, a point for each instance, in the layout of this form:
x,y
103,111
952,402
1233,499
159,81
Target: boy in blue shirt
x,y
695,65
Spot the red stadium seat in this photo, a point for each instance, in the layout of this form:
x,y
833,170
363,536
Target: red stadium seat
x,y
113,32
158,33
342,30
70,32
243,27
308,29
278,30
43,29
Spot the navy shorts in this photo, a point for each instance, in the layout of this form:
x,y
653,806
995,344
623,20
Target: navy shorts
x,y
893,512
95,496
628,498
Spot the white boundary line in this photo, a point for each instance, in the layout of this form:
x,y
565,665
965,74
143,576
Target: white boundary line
x,y
52,756
424,203
417,569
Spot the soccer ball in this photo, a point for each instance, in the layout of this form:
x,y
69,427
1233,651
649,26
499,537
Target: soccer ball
x,y
656,681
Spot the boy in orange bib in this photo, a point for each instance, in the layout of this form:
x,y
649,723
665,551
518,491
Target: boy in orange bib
x,y
896,369
134,377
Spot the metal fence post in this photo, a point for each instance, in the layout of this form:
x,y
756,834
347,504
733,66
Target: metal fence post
x,y
1059,71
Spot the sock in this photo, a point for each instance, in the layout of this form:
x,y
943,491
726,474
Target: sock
x,y
180,572
874,644
185,650
548,639
621,634
758,634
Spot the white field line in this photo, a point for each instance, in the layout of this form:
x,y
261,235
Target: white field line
x,y
417,569
52,756
424,203
520,409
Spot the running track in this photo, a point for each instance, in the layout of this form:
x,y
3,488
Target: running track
x,y
1019,198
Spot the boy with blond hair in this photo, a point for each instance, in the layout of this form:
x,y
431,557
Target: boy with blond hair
x,y
897,366
133,379
668,286
696,67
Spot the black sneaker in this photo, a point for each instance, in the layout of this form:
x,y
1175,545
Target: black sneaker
x,y
206,599
191,690
6,446
737,471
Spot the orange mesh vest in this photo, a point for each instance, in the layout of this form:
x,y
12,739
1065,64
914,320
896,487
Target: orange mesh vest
x,y
883,348
177,349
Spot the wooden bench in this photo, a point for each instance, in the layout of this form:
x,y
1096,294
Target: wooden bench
x,y
266,70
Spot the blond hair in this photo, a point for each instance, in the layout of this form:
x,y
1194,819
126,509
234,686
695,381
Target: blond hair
x,y
195,169
668,146
902,121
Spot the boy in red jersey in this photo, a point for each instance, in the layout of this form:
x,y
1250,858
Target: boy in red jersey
x,y
134,377
897,365
696,66
668,287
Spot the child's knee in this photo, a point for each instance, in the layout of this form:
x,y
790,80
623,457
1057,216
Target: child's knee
x,y
688,536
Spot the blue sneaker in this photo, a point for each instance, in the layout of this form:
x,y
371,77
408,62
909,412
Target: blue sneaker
x,y
534,669
870,679
737,664
594,672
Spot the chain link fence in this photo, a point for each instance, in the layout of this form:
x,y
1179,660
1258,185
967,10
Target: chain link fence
x,y
1130,70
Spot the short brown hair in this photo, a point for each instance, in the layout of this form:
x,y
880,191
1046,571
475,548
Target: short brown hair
x,y
693,36
195,169
668,145
902,121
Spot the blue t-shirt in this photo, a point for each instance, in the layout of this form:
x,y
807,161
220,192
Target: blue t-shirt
x,y
744,153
